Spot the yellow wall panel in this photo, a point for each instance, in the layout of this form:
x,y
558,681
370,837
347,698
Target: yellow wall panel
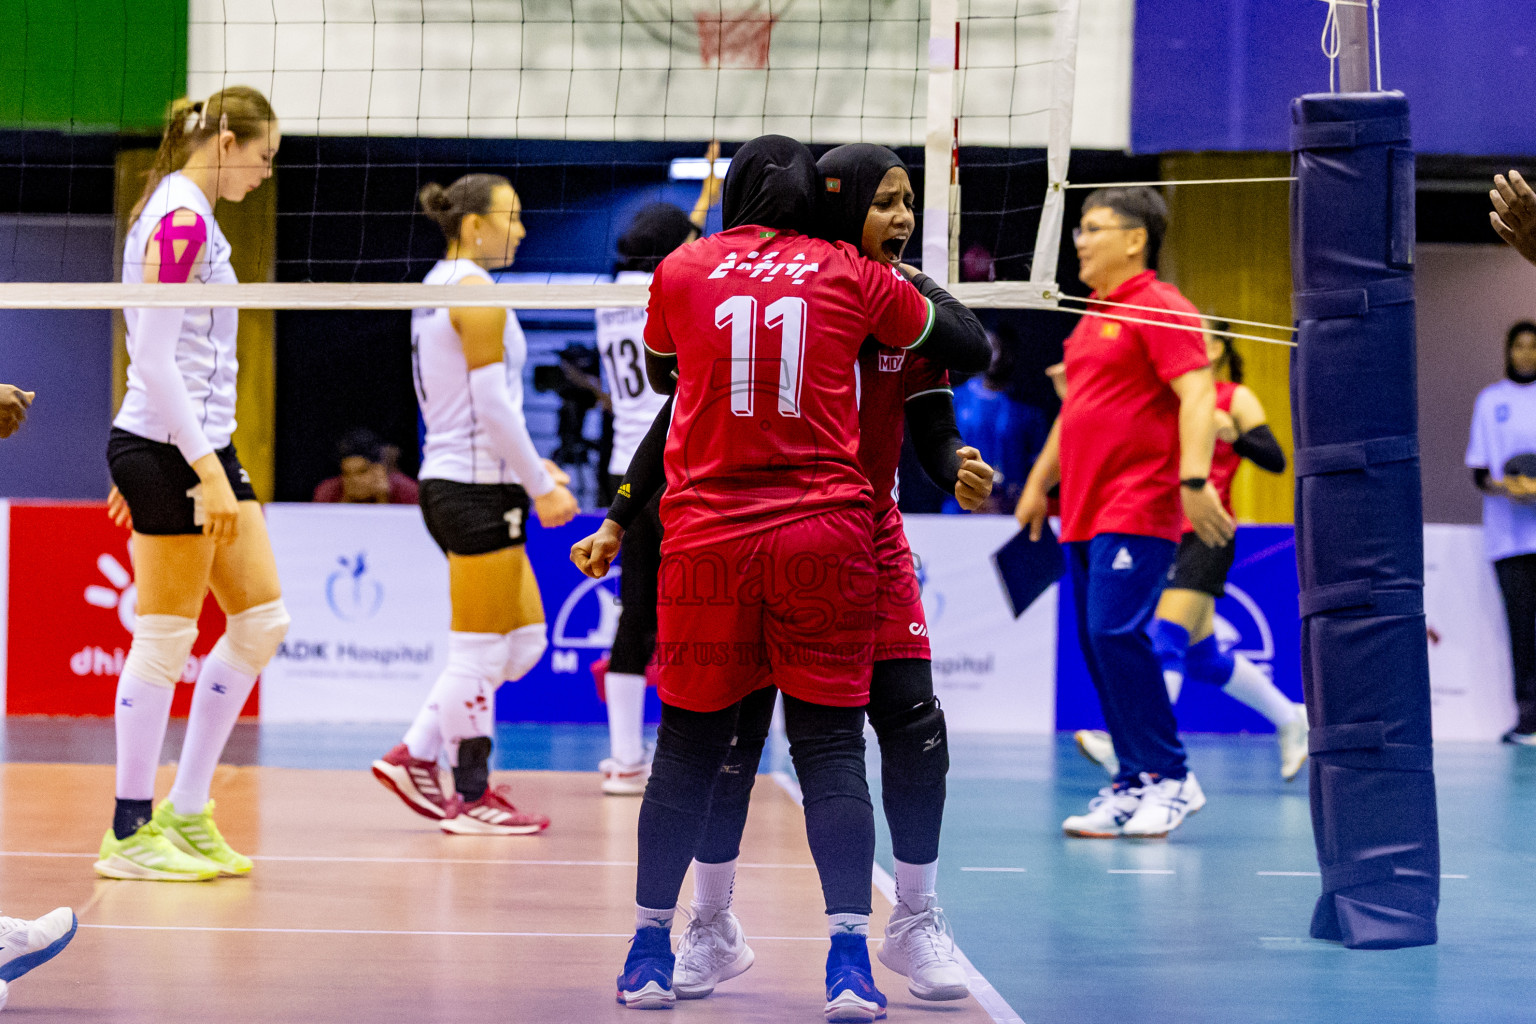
x,y
1228,249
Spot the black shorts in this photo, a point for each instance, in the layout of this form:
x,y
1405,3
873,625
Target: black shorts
x,y
1201,568
155,480
474,519
634,641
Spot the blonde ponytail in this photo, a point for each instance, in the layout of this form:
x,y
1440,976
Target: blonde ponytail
x,y
239,109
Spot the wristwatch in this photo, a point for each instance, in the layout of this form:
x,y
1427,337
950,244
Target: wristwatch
x,y
1194,483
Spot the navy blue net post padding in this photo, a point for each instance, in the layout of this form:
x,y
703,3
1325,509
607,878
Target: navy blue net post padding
x,y
1359,521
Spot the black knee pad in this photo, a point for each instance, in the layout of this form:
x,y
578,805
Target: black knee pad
x,y
914,744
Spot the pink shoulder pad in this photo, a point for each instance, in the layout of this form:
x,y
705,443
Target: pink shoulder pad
x,y
179,246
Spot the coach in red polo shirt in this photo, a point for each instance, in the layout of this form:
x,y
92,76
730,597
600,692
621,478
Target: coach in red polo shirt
x,y
1131,450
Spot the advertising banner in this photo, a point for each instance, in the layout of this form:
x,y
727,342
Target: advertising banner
x,y
72,608
1470,677
992,673
1258,618
368,592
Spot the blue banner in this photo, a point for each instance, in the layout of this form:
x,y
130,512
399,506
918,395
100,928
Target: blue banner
x,y
582,614
1221,74
1258,618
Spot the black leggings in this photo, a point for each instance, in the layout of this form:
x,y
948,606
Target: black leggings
x,y
1517,579
827,746
912,765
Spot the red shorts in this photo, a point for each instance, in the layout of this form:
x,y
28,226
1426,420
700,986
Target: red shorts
x,y
794,605
902,631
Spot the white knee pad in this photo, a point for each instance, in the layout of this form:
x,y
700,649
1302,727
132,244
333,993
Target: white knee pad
x,y
525,647
251,637
481,655
161,646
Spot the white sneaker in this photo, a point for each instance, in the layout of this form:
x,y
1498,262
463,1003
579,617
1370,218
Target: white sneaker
x,y
28,944
1165,803
620,779
1107,814
1096,746
710,952
1293,744
921,948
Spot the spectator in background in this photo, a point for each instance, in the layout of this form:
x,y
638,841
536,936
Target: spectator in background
x,y
368,474
1008,433
1504,443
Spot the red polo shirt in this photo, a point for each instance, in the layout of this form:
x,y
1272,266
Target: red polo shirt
x,y
1120,422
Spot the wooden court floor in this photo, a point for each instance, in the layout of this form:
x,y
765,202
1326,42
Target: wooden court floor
x,y
360,911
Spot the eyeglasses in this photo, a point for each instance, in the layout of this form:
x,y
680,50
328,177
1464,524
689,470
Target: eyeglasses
x,y
1093,229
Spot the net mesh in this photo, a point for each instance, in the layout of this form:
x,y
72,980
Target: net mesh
x,y
587,106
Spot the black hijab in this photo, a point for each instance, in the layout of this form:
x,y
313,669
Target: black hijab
x,y
655,231
848,178
1523,327
772,182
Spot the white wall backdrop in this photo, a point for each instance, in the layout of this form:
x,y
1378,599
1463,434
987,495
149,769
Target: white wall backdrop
x,y
838,70
1471,681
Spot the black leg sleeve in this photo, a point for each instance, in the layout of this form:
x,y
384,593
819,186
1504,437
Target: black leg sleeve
x,y
690,747
733,786
827,746
914,756
634,639
1517,579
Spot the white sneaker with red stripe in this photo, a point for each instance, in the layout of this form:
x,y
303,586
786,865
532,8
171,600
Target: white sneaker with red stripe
x,y
415,782
491,815
620,779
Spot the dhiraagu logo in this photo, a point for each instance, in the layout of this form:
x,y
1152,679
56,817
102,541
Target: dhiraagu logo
x,y
352,593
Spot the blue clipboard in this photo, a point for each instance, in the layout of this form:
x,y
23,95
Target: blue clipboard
x,y
1027,568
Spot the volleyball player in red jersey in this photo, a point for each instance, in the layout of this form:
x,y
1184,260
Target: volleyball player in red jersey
x,y
767,558
1184,633
869,205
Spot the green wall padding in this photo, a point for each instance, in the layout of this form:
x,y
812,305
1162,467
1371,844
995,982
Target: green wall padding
x,y
91,65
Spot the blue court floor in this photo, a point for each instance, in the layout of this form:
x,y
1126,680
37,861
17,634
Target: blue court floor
x,y
1209,927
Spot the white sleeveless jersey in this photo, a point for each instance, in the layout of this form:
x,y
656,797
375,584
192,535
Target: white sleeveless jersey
x,y
205,350
620,347
457,447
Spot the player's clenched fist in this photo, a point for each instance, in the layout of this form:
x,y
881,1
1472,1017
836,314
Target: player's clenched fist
x,y
14,403
973,485
594,554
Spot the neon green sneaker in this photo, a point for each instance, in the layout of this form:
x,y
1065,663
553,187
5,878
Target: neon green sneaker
x,y
197,835
149,855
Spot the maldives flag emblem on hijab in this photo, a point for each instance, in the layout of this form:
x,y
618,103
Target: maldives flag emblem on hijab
x,y
834,184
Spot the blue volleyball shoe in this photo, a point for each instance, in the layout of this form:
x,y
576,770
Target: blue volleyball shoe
x,y
646,983
851,992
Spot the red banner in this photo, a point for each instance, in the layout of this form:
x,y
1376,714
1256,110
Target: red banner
x,y
72,609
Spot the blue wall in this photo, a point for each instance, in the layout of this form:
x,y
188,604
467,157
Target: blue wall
x,y
1220,74
63,355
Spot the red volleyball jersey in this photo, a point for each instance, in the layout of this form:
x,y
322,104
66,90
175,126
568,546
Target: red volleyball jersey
x,y
1225,461
1120,422
767,326
887,379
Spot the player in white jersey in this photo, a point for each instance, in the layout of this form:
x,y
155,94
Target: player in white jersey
x,y
654,232
179,486
27,944
479,470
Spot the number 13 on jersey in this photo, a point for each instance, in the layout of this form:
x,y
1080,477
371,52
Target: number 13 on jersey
x,y
787,314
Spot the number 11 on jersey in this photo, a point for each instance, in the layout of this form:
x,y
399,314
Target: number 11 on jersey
x,y
787,314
